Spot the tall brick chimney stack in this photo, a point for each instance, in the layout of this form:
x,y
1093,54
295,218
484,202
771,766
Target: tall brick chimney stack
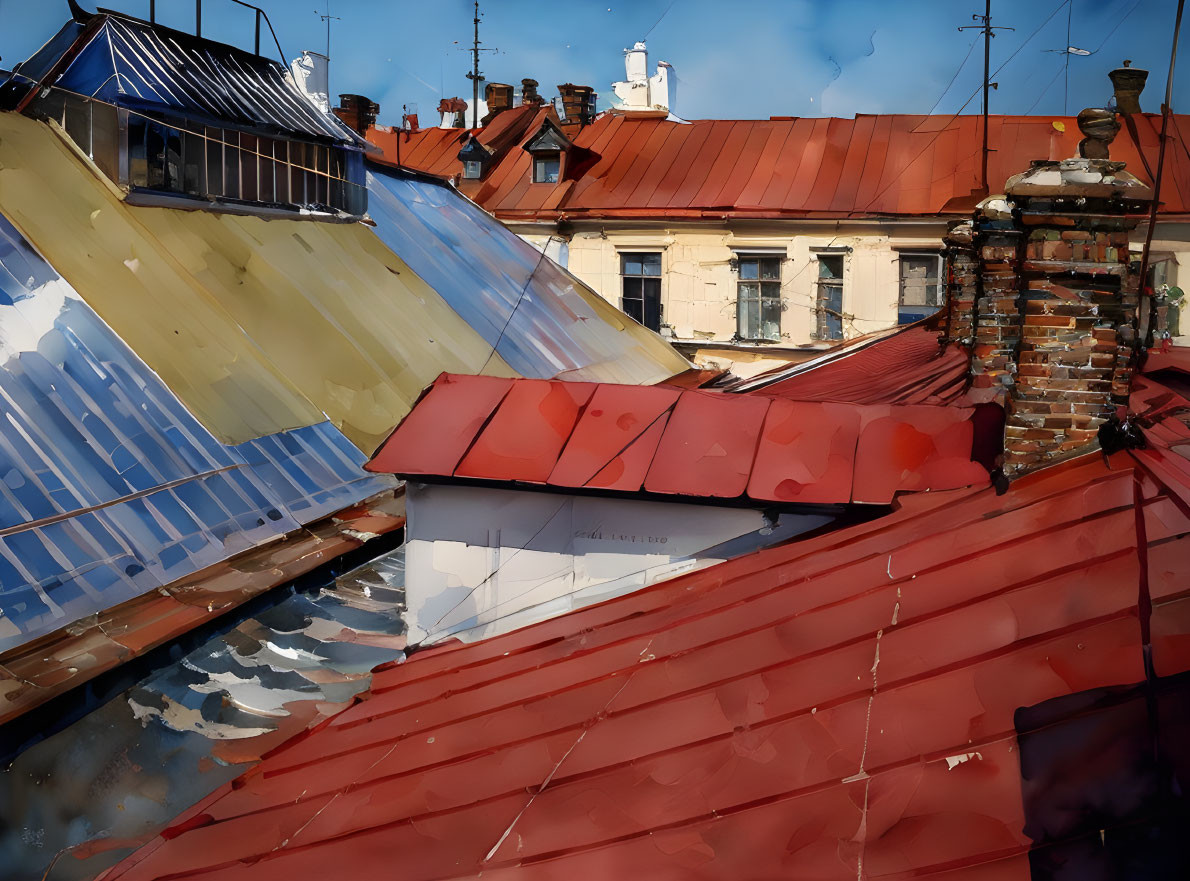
x,y
1041,288
529,93
357,111
578,107
498,97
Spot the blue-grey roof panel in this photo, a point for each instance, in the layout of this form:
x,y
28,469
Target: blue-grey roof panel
x,y
132,64
108,486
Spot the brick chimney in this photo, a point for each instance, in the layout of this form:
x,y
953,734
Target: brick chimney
x,y
357,112
578,107
1041,288
529,93
498,97
452,112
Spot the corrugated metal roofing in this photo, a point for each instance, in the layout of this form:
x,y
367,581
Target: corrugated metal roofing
x,y
672,442
109,488
811,168
844,706
539,318
908,365
136,65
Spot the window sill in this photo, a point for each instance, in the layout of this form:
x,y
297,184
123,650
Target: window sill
x,y
142,197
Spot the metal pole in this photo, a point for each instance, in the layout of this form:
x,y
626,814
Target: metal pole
x,y
987,61
258,32
153,11
1165,112
475,72
198,18
1066,96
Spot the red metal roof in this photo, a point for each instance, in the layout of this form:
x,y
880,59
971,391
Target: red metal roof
x,y
843,706
907,365
436,150
827,168
679,442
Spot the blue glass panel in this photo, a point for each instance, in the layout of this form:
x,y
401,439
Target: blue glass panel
x,y
130,490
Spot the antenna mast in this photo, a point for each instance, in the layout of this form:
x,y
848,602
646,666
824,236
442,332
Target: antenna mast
x,y
328,18
985,25
475,76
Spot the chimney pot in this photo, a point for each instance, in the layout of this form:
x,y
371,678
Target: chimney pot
x,y
1128,82
358,112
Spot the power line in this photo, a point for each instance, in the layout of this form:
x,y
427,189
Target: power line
x,y
963,64
1123,19
1066,94
1046,90
955,115
658,21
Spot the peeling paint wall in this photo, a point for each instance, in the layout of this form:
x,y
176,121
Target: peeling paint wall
x,y
698,287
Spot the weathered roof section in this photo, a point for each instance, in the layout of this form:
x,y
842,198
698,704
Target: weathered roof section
x,y
109,488
859,699
907,365
895,165
256,294
147,67
535,315
667,441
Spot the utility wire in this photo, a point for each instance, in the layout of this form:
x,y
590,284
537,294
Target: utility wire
x,y
1046,90
1066,94
1135,6
962,64
658,21
520,299
955,115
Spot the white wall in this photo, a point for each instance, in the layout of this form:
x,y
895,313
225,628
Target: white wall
x,y
485,561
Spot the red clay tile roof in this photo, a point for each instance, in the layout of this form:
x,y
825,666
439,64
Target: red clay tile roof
x,y
846,701
808,168
667,441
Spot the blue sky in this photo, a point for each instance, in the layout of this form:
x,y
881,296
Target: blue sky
x,y
738,59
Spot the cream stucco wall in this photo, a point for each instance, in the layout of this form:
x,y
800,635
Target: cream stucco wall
x,y
698,285
698,288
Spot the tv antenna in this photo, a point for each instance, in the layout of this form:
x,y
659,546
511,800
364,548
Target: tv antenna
x,y
985,25
328,18
475,75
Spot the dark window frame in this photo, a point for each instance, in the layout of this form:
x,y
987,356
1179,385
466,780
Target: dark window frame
x,y
541,161
828,306
640,287
910,312
759,298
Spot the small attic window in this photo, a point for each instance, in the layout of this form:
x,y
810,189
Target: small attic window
x,y
475,158
546,147
546,167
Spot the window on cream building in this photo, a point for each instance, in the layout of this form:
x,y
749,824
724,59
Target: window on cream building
x,y
640,285
758,297
920,287
829,298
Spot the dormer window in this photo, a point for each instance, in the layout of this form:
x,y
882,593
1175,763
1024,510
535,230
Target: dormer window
x,y
475,158
246,143
546,168
547,148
